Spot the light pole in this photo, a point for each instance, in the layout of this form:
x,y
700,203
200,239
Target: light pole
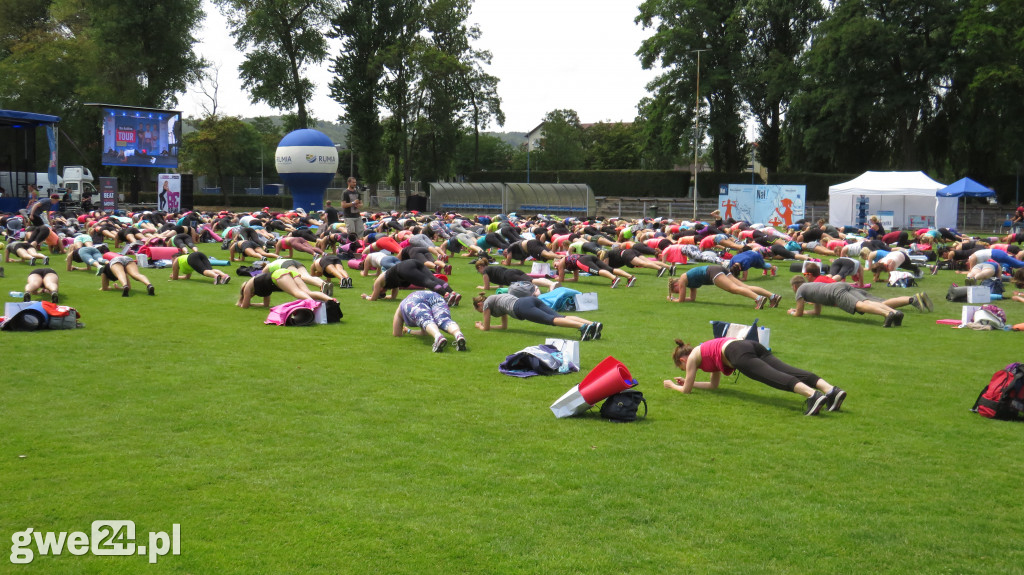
x,y
696,132
528,146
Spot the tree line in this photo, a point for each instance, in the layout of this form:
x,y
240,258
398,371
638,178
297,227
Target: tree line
x,y
838,86
835,86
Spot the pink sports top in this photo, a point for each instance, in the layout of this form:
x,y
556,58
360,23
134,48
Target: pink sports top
x,y
711,356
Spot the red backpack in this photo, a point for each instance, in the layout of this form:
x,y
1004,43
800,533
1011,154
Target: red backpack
x,y
1003,397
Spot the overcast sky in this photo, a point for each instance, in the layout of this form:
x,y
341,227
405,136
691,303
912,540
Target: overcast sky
x,y
548,54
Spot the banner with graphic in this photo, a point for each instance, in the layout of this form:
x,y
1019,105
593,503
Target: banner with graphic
x,y
108,194
168,196
775,205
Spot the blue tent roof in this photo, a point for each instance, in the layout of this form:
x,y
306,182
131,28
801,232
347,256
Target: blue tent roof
x,y
12,117
965,187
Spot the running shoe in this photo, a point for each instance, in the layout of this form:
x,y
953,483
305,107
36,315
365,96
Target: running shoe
x,y
834,399
460,344
216,280
615,282
631,281
1,272
598,326
935,269
453,299
46,260
439,344
899,318
815,403
760,301
922,302
54,298
774,270
447,269
26,297
226,280
586,330
31,261
662,271
672,270
774,300
970,282
327,289
150,290
125,291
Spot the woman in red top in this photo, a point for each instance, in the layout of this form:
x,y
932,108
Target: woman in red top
x,y
725,355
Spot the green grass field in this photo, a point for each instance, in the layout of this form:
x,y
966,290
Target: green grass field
x,y
340,449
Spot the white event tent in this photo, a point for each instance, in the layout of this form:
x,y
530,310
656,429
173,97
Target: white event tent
x,y
905,194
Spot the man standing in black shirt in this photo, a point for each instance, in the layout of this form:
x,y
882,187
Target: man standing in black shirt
x,y
351,201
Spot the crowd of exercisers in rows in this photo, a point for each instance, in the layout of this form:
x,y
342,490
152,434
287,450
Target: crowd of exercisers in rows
x,y
409,249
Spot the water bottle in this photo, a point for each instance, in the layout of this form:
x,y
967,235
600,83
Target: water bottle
x,y
17,294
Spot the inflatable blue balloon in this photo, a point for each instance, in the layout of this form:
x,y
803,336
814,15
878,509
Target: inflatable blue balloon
x,y
307,160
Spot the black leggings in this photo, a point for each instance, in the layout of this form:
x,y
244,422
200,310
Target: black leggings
x,y
534,309
38,235
199,262
590,263
413,272
754,361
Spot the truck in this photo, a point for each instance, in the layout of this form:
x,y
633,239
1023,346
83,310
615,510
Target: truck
x,y
76,180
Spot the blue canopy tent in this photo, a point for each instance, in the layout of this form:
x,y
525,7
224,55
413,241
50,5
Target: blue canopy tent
x,y
18,163
965,187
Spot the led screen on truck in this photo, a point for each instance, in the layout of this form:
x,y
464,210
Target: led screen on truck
x,y
141,137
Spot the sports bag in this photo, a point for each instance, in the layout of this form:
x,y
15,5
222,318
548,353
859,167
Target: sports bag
x,y
623,406
1003,397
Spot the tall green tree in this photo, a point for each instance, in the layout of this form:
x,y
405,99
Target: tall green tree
x,y
57,55
680,28
221,146
561,148
778,34
358,81
872,76
612,146
286,37
983,108
483,152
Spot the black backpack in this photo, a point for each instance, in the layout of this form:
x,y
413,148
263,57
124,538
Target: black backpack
x,y
623,406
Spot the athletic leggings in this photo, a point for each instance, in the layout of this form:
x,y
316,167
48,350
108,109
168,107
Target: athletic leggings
x,y
412,272
1006,259
643,249
199,262
420,309
182,241
588,264
495,241
38,235
754,361
534,309
781,251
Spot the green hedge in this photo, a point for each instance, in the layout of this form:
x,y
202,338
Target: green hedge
x,y
638,183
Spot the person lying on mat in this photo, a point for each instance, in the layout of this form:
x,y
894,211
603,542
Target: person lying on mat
x,y
427,312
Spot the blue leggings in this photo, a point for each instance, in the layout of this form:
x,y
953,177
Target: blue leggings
x,y
1006,259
